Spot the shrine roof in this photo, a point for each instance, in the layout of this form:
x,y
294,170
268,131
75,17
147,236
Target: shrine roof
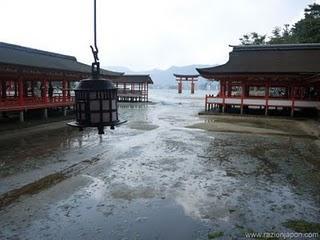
x,y
134,78
266,59
29,57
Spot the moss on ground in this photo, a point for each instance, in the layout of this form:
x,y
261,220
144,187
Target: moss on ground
x,y
214,235
302,226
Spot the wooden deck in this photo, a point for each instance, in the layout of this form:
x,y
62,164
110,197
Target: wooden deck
x,y
128,95
266,103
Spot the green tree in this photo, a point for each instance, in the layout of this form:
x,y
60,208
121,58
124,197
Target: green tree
x,y
313,11
282,35
287,33
307,30
253,39
276,37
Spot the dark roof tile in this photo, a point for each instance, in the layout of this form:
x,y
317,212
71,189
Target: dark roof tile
x,y
279,58
29,57
134,79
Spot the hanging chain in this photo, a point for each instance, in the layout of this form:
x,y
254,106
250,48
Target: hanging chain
x,y
95,68
94,49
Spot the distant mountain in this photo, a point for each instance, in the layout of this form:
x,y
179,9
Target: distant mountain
x,y
118,69
165,78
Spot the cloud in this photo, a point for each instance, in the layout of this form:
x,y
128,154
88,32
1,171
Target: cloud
x,y
143,34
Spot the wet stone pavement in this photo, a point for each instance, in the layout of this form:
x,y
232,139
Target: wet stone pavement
x,y
154,178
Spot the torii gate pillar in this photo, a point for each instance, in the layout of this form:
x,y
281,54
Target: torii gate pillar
x,y
192,87
180,86
190,78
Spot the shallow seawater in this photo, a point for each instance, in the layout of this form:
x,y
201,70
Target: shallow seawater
x,y
158,179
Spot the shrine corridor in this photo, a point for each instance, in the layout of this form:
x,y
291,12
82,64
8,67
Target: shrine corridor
x,y
160,176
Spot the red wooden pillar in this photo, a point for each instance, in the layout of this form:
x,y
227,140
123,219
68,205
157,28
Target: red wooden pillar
x,y
147,92
16,88
46,97
300,93
64,91
192,86
3,89
206,103
25,87
32,88
21,90
228,89
45,91
180,86
293,100
69,90
242,96
267,86
21,97
223,87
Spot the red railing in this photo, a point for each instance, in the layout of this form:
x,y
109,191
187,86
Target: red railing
x,y
263,97
315,102
13,103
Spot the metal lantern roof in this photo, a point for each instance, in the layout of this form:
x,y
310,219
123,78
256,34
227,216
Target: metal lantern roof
x,y
93,84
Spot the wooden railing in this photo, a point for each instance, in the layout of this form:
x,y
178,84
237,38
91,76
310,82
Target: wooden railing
x,y
212,100
133,92
13,103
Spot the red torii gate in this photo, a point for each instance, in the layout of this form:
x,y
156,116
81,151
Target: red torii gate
x,y
183,77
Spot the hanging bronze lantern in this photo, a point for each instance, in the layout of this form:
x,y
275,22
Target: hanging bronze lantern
x,y
95,97
96,103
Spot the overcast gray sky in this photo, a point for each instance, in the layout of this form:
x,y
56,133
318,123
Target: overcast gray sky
x,y
143,34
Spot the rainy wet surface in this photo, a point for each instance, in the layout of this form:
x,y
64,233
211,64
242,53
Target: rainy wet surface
x,y
156,178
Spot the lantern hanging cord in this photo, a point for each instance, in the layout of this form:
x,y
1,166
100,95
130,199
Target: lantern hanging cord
x,y
95,49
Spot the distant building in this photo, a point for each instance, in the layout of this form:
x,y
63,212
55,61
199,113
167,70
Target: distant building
x,y
133,88
35,79
267,78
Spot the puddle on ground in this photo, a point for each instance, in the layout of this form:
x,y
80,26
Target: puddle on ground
x,y
142,125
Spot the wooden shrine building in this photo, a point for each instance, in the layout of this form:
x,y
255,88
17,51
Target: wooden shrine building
x,y
267,78
35,79
133,88
186,78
